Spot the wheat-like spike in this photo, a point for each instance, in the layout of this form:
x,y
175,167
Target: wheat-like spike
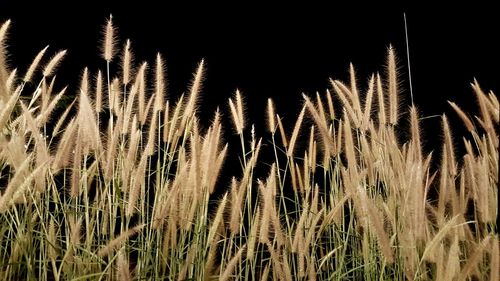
x,y
65,147
231,265
137,185
108,47
311,149
3,31
210,268
195,90
75,227
474,258
266,196
8,107
453,264
14,184
319,106
282,132
14,151
467,122
118,241
493,99
368,103
131,153
128,109
188,263
438,237
299,228
122,268
52,65
271,123
190,106
415,133
252,239
484,191
329,101
495,259
376,220
216,169
450,151
342,91
62,119
76,170
115,102
127,63
322,126
111,148
278,270
4,72
159,84
218,219
265,273
10,81
392,86
42,153
236,118
279,235
236,203
173,123
354,92
34,65
151,144
50,89
349,146
494,106
141,99
311,273
44,93
84,83
240,108
43,117
484,105
209,152
381,103
88,131
52,240
295,132
166,122
98,92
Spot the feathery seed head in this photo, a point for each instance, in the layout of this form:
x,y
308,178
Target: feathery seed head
x,y
108,48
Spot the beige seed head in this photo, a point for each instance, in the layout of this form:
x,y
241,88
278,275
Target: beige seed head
x,y
270,116
295,132
51,67
123,268
98,92
393,86
127,63
467,122
118,241
108,48
159,83
34,65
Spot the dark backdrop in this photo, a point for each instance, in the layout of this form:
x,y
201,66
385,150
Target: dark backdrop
x,y
276,52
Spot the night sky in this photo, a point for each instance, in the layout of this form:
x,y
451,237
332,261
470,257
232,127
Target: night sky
x,y
277,52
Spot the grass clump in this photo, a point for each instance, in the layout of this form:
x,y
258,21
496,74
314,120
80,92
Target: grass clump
x,y
123,184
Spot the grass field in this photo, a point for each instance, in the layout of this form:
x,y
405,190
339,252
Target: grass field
x,y
122,182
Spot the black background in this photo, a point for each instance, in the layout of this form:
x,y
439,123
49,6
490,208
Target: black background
x,y
276,51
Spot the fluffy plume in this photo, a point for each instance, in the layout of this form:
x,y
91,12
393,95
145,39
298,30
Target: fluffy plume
x,y
108,47
34,65
51,67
